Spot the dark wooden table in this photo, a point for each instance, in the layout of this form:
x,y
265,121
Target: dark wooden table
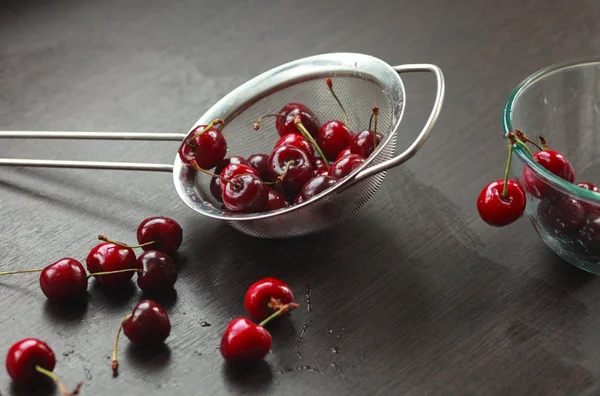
x,y
414,295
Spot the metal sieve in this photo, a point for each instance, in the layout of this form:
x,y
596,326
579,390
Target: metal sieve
x,y
361,82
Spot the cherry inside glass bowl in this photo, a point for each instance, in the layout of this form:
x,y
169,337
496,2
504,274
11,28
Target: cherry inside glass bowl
x,y
561,103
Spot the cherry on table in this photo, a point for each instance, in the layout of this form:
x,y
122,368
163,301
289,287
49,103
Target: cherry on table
x,y
245,193
160,233
64,281
313,187
110,257
260,162
259,296
148,326
30,360
299,141
275,200
291,167
498,210
157,272
344,166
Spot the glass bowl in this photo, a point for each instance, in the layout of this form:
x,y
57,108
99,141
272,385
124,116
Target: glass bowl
x,y
561,103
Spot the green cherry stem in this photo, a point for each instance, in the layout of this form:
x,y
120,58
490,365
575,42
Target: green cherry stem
x,y
308,137
54,377
285,171
330,86
105,239
113,272
282,310
198,168
115,362
21,271
507,170
216,121
256,124
522,137
374,115
544,143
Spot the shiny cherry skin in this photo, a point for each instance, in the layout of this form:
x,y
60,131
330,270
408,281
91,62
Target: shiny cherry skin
x,y
210,148
556,163
24,356
157,272
588,186
64,281
148,324
313,187
333,137
319,166
259,294
362,143
291,111
299,141
275,200
107,257
215,182
260,162
245,194
298,173
593,208
232,170
245,342
498,211
344,153
588,241
561,217
344,166
167,232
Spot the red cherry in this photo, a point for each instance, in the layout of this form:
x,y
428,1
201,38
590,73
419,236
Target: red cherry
x,y
588,186
556,163
148,326
215,182
232,170
245,194
344,166
498,211
333,137
157,272
362,143
260,162
319,166
344,153
561,217
245,342
160,233
259,296
109,257
292,166
588,242
211,148
64,281
290,111
25,356
313,187
275,200
299,141
588,206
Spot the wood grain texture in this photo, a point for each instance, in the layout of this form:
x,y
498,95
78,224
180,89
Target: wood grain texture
x,y
412,296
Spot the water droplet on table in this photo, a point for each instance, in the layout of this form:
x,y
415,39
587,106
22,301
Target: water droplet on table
x,y
335,350
301,336
205,324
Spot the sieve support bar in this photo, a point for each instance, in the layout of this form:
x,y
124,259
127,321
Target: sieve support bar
x,y
91,135
132,166
420,140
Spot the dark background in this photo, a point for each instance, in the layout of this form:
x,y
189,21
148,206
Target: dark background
x,y
414,295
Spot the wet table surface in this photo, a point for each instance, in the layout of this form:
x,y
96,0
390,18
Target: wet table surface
x,y
413,295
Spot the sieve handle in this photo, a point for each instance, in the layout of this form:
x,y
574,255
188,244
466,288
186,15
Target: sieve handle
x,y
420,140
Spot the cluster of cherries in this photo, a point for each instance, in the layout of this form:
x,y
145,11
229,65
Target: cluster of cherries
x,y
308,159
574,222
245,341
113,265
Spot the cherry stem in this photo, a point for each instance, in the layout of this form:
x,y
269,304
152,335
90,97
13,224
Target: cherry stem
x,y
54,377
375,115
285,171
113,272
256,124
330,86
21,271
105,239
282,310
115,362
214,122
512,138
521,136
198,168
507,170
308,137
543,141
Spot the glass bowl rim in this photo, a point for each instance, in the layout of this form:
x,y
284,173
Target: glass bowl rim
x,y
542,172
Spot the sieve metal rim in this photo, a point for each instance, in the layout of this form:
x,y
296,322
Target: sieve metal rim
x,y
331,64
